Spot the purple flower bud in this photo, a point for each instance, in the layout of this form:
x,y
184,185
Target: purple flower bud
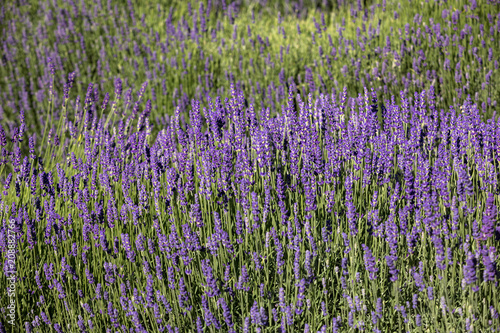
x,y
243,279
430,293
3,138
489,218
118,88
469,269
69,84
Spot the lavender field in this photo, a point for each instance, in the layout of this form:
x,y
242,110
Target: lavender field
x,y
249,166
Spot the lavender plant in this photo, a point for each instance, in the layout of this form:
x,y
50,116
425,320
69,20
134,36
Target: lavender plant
x,y
188,50
221,225
201,167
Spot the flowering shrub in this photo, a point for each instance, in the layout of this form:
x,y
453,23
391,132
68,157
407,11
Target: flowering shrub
x,y
240,200
297,222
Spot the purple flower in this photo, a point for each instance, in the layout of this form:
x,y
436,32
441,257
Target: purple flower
x,y
149,291
246,325
391,263
183,295
98,290
226,312
113,314
87,308
256,260
3,137
243,279
118,88
280,262
139,242
430,293
282,302
255,210
255,314
324,310
69,84
296,264
195,213
59,287
336,323
127,247
49,271
199,325
209,317
289,315
213,289
81,324
151,246
490,271
370,263
308,264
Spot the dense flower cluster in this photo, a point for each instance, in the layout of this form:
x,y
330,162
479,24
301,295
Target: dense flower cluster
x,y
260,202
193,221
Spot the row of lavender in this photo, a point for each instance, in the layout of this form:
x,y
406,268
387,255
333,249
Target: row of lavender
x,y
245,222
193,49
